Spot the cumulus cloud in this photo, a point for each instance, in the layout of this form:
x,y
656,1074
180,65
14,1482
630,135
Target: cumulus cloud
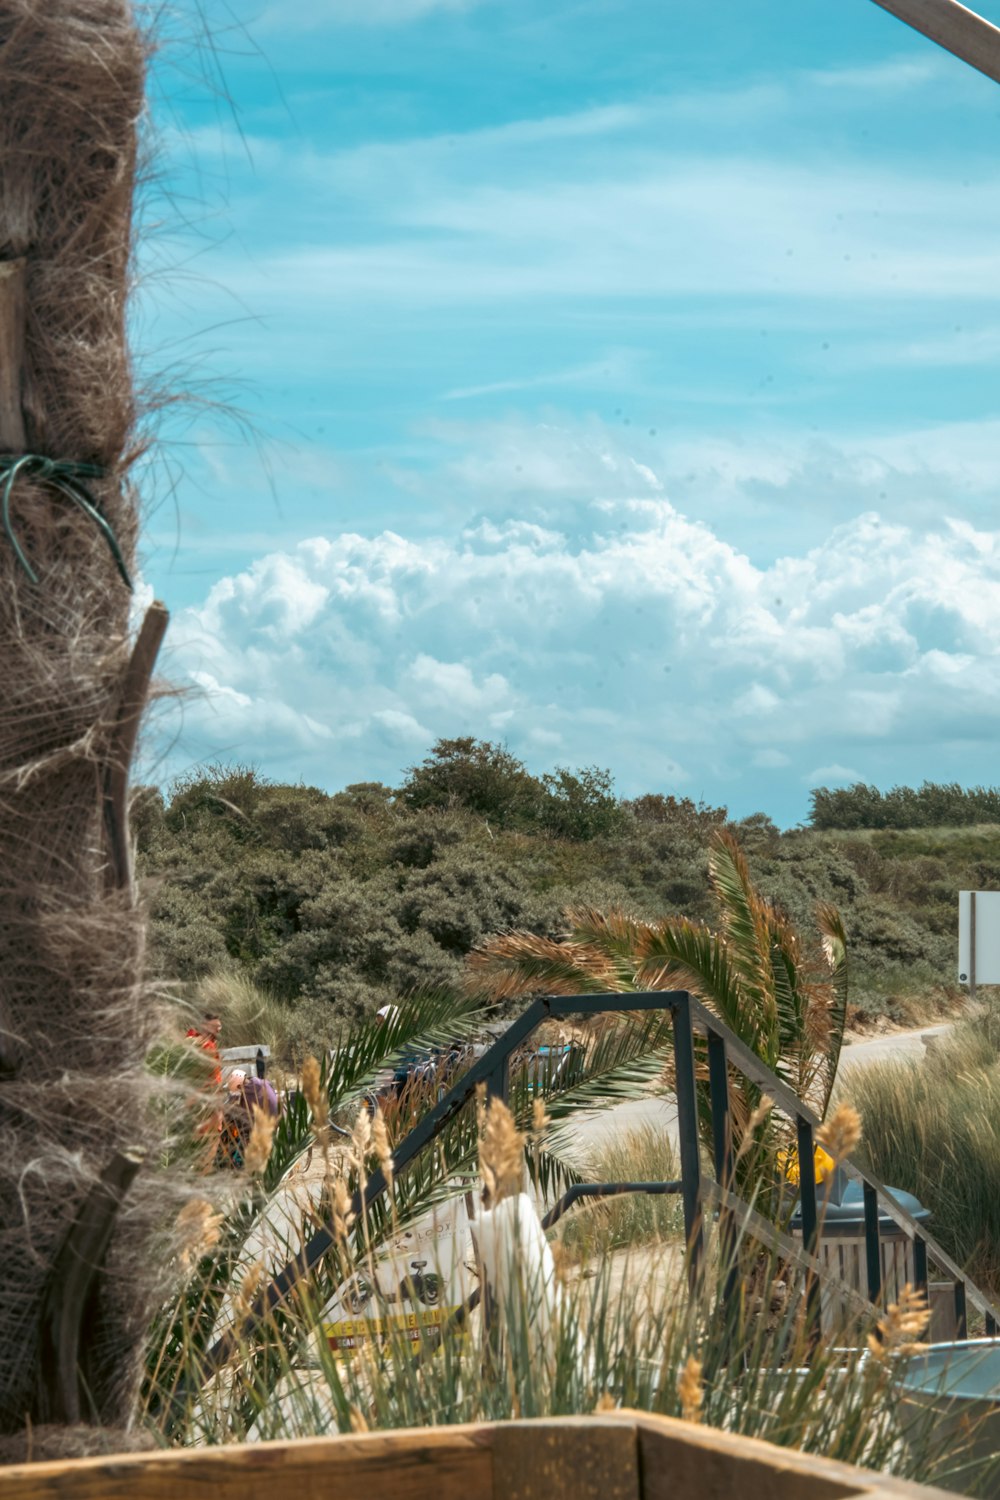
x,y
622,632
832,776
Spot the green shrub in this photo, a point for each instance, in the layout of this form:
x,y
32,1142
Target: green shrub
x,y
933,805
346,900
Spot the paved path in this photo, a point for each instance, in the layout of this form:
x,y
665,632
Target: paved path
x,y
895,1046
599,1127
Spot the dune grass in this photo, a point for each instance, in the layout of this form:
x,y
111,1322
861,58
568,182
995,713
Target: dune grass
x,y
251,1015
612,1341
642,1154
932,1127
551,1346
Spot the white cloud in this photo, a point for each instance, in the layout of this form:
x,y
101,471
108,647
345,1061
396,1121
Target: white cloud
x,y
832,776
617,367
894,75
604,201
400,727
758,700
617,630
771,760
674,227
443,684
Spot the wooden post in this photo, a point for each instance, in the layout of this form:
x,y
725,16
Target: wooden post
x,y
65,1358
972,945
12,308
134,693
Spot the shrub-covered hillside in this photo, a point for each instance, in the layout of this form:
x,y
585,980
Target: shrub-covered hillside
x,y
337,903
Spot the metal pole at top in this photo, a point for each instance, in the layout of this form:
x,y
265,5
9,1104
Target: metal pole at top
x,y
954,27
687,1123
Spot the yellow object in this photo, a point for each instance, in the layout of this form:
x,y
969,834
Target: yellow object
x,y
788,1161
350,1333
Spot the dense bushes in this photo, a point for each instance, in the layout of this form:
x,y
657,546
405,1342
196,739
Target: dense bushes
x,y
338,903
483,778
933,805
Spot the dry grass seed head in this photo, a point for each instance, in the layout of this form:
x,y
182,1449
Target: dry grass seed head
x,y
199,1227
841,1133
361,1138
341,1209
258,1152
383,1149
689,1389
900,1330
539,1119
501,1154
316,1096
756,1119
249,1287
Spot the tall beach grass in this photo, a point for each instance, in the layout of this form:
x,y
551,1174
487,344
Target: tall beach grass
x,y
932,1127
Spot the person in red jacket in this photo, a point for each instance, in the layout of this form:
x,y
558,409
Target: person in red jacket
x,y
207,1037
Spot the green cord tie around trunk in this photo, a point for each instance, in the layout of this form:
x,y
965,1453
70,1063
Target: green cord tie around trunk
x,y
68,479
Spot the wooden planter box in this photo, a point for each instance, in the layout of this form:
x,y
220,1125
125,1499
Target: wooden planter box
x,y
620,1456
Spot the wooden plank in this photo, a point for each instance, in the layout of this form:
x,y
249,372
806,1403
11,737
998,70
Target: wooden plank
x,y
585,1458
954,27
447,1463
12,312
682,1459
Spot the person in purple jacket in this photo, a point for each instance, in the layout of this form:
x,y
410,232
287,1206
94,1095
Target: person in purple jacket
x,y
245,1095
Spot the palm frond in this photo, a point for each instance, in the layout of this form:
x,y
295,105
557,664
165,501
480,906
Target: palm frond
x,y
799,1045
519,963
834,935
421,1021
623,938
745,925
689,955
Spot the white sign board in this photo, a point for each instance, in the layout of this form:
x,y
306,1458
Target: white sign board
x,y
979,911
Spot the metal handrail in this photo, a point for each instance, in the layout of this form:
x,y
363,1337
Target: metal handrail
x,y
725,1050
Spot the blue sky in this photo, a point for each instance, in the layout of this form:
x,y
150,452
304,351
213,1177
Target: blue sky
x,y
617,381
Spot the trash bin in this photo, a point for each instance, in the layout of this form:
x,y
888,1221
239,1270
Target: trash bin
x,y
956,1386
842,1248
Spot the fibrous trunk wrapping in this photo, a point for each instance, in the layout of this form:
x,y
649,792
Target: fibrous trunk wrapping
x,y
74,1020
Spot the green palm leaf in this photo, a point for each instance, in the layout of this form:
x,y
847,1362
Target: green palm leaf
x,y
834,935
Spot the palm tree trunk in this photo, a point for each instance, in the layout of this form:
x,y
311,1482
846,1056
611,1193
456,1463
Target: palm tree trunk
x,y
74,1018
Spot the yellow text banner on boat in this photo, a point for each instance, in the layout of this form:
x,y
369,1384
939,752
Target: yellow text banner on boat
x,y
350,1333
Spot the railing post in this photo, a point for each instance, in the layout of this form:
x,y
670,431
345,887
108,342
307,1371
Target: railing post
x,y
920,1264
687,1122
722,1130
961,1315
722,1147
810,1222
873,1248
498,1082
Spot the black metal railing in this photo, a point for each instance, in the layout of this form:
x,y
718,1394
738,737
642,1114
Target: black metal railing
x,y
725,1052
